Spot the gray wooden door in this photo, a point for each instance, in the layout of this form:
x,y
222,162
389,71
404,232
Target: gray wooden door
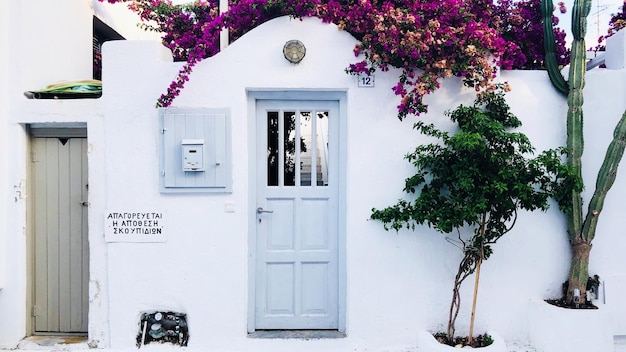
x,y
297,215
61,255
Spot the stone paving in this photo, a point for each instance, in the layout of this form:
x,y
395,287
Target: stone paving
x,y
78,344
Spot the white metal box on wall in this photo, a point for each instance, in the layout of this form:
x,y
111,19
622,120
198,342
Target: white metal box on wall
x,y
195,150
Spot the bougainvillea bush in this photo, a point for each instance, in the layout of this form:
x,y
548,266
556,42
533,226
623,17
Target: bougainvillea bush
x,y
523,26
427,39
618,20
616,23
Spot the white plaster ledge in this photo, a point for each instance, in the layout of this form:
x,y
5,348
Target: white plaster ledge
x,y
555,329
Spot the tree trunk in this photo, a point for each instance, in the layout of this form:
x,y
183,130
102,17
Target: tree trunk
x,y
454,309
455,304
578,273
466,268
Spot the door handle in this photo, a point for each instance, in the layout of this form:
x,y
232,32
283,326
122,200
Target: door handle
x,y
260,210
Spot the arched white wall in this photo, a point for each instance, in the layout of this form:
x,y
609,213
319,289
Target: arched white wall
x,y
397,283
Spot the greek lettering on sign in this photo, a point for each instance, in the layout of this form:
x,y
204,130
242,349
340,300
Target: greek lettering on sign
x,y
134,226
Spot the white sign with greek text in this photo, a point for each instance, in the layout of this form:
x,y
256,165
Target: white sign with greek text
x,y
134,226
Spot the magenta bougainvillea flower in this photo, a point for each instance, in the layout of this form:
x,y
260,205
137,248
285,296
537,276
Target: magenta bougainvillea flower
x,y
427,39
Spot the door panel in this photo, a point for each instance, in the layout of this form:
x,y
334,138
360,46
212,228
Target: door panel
x,y
61,263
297,231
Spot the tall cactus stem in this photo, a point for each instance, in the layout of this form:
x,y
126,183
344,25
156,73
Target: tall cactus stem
x,y
549,46
606,178
580,233
579,18
575,140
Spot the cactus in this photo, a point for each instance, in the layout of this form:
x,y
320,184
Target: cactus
x,y
580,232
549,44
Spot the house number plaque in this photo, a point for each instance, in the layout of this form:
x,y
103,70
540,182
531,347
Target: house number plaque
x,y
366,80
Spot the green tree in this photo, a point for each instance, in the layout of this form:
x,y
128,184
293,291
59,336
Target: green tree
x,y
477,177
581,228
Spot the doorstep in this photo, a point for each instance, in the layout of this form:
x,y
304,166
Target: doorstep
x,y
53,342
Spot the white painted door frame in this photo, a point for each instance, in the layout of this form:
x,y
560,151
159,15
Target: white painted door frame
x,y
339,97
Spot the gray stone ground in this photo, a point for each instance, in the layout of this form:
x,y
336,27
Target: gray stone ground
x,y
51,344
620,346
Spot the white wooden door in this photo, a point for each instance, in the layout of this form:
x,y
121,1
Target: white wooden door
x,y
296,215
61,262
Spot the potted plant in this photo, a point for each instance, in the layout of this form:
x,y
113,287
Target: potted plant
x,y
566,332
476,178
581,230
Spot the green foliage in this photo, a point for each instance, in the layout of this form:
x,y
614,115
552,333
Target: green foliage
x,y
480,170
477,177
483,340
562,179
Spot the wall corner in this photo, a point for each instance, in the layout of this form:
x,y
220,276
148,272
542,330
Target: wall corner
x,y
616,51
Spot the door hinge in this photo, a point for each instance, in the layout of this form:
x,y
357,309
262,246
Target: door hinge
x,y
34,311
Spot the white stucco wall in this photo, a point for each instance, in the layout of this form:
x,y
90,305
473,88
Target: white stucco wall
x,y
50,37
6,31
43,42
4,89
53,39
397,283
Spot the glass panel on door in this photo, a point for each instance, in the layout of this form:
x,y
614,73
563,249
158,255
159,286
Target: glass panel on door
x,y
297,148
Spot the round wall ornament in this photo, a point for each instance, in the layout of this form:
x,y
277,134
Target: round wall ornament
x,y
294,51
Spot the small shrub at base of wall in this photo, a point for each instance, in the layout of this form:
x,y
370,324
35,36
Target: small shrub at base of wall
x,y
427,342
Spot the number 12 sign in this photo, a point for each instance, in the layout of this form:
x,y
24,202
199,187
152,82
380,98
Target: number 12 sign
x,y
366,80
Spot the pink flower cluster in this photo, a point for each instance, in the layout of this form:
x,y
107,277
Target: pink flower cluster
x,y
427,39
616,23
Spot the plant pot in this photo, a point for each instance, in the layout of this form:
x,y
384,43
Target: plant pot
x,y
556,329
427,342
